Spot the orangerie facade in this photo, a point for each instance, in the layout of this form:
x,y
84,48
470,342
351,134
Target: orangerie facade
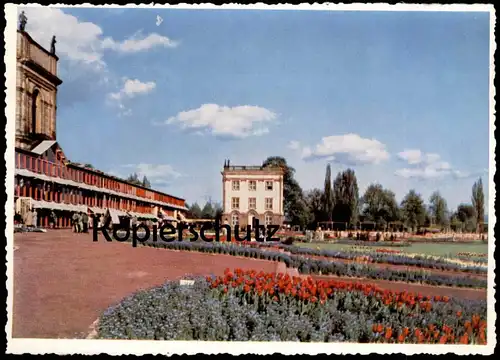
x,y
45,181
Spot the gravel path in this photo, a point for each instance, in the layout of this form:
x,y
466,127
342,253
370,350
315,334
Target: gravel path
x,y
62,280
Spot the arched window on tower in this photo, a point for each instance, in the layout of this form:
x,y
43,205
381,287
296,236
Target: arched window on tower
x,y
34,110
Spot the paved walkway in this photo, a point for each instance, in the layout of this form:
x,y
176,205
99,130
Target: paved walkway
x,y
62,280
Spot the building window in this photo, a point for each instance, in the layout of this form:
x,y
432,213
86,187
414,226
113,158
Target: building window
x,y
269,203
252,203
268,220
235,203
34,110
269,185
252,185
236,185
235,220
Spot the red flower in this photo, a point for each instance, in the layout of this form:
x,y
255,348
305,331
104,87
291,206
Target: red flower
x,y
464,339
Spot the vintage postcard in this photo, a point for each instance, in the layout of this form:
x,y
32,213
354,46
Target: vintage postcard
x,y
250,179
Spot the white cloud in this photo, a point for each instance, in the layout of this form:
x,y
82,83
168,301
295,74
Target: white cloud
x,y
156,173
133,87
458,174
349,149
78,41
415,157
428,166
136,43
83,42
130,89
294,145
223,121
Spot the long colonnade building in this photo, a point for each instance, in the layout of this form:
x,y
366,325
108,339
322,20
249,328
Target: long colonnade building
x,y
44,178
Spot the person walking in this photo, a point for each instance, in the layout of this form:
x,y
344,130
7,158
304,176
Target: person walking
x,y
85,222
53,219
80,223
74,219
35,218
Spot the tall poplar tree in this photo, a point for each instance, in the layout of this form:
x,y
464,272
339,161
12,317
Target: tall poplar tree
x,y
478,203
328,195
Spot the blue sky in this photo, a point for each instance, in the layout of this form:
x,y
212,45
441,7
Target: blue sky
x,y
400,97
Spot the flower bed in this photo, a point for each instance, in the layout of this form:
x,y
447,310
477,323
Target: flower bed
x,y
388,251
350,241
459,263
251,306
471,255
466,259
421,261
312,266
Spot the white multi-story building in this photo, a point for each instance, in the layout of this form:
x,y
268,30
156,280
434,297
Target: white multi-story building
x,y
252,193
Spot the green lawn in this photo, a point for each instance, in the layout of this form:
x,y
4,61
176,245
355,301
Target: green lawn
x,y
449,250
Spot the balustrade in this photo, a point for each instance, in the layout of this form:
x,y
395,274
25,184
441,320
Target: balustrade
x,y
51,169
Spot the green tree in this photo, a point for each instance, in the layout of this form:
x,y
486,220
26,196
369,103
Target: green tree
x,y
208,211
466,214
413,210
294,204
379,205
346,197
478,204
195,211
145,182
327,200
134,179
218,211
438,209
315,205
90,166
455,222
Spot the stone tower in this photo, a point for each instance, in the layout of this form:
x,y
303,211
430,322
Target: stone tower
x,y
36,94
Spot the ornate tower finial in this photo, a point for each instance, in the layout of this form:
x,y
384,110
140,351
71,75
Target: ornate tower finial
x,y
22,21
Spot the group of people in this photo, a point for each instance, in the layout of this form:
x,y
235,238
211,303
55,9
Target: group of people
x,y
30,219
80,222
